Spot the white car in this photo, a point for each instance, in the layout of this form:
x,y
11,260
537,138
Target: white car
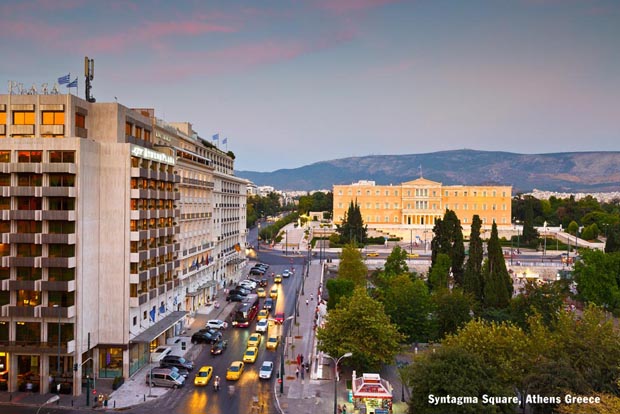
x,y
262,325
266,370
286,273
216,324
248,283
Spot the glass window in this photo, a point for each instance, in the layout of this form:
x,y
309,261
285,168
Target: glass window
x,y
5,179
5,203
29,180
5,156
128,127
53,118
28,250
80,120
28,273
61,180
62,156
61,203
61,250
29,203
61,227
29,156
58,274
28,226
23,117
27,332
2,118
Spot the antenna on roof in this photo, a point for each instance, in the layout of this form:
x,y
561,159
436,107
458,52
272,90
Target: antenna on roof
x,y
89,74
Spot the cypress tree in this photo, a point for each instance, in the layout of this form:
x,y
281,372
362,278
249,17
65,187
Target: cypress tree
x,y
497,282
448,239
472,276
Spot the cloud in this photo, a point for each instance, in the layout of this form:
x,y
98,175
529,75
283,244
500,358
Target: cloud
x,y
348,6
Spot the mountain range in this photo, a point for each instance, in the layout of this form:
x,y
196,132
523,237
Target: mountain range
x,y
596,171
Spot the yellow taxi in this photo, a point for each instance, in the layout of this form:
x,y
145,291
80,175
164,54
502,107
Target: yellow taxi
x,y
203,376
372,254
254,339
261,292
235,370
272,342
250,354
412,255
273,293
262,314
277,278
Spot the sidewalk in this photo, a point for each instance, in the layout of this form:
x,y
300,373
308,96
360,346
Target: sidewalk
x,y
135,390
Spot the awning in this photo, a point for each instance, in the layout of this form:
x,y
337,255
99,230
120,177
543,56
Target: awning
x,y
159,327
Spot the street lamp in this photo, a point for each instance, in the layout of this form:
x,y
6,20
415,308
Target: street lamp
x,y
282,356
58,359
545,246
336,362
51,400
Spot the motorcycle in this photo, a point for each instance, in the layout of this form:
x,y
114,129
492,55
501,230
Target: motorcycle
x,y
216,384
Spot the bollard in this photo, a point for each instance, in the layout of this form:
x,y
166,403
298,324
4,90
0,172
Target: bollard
x,y
144,397
114,403
71,403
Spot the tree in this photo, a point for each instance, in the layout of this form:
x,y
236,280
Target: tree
x,y
598,278
497,282
452,310
352,266
572,228
612,244
456,372
408,304
545,300
609,404
396,262
530,234
448,239
337,289
352,230
439,274
360,326
472,276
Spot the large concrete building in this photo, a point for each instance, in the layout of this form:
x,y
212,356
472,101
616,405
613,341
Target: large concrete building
x,y
416,205
115,227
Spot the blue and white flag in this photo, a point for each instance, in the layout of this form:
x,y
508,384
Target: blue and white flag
x,y
216,137
152,314
225,141
72,84
64,79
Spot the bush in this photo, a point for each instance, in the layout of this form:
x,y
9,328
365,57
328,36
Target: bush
x,y
118,381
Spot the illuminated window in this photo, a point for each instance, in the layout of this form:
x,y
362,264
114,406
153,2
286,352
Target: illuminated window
x,y
80,120
53,118
2,118
23,118
5,156
5,180
29,156
62,156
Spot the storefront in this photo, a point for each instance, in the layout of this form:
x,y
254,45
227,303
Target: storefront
x,y
372,394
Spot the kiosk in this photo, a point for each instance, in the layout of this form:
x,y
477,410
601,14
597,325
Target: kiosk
x,y
372,394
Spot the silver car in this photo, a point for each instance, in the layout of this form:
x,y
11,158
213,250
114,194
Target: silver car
x,y
266,370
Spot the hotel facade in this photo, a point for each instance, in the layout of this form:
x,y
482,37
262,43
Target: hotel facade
x,y
416,205
116,227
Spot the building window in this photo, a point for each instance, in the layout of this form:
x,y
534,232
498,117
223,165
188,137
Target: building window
x,y
29,156
395,192
387,205
395,219
5,156
5,204
61,180
339,192
465,220
138,133
339,205
128,128
29,203
395,205
387,192
147,135
29,180
359,192
367,192
484,194
80,120
465,193
62,156
28,226
484,207
5,180
52,118
447,193
409,193
23,117
387,219
61,203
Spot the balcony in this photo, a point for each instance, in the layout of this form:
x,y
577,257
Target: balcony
x,y
65,215
47,238
21,285
57,312
66,262
81,132
21,238
21,311
22,130
51,129
59,167
59,191
152,294
58,285
24,214
19,261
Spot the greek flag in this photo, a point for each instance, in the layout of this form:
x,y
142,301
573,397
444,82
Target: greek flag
x,y
72,84
64,79
216,137
225,141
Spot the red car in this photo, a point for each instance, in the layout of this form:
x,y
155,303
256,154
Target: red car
x,y
279,317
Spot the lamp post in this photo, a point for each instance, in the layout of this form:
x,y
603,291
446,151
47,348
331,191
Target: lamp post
x,y
410,241
545,245
58,357
286,242
282,356
258,237
52,399
336,362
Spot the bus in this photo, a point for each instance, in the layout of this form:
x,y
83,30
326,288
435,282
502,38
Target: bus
x,y
246,311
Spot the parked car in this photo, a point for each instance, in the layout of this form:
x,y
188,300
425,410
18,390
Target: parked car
x,y
240,290
219,347
205,338
250,284
176,361
256,271
266,370
216,324
164,377
235,297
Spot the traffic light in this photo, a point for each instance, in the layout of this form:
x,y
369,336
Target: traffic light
x,y
75,367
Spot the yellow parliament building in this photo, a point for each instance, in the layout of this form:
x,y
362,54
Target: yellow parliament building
x,y
417,204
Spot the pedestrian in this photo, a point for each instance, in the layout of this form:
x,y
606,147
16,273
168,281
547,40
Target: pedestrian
x,y
298,359
311,296
307,302
297,372
344,409
301,359
339,409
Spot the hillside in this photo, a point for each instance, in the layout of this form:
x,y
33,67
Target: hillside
x,y
563,172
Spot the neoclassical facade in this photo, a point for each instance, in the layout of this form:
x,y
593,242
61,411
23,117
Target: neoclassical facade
x,y
419,203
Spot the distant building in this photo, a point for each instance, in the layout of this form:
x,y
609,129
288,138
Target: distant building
x,y
419,203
